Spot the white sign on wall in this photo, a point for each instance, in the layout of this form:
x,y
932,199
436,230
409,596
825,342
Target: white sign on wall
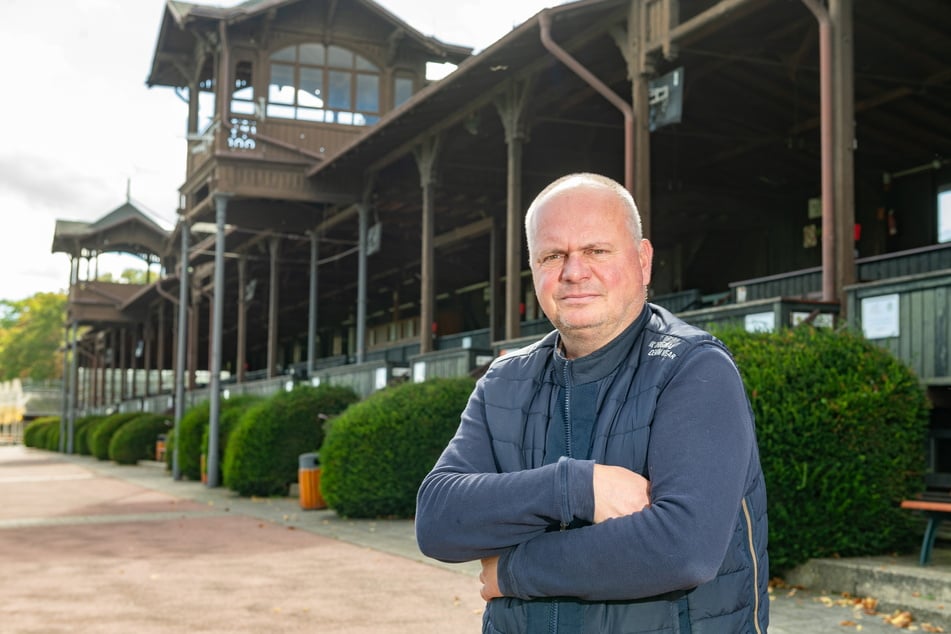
x,y
760,322
880,316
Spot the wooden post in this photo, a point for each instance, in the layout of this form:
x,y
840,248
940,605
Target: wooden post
x,y
242,343
513,109
426,155
643,70
843,97
272,310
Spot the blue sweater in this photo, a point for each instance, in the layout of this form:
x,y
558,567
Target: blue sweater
x,y
665,400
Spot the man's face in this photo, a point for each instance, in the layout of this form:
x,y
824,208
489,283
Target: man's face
x,y
590,276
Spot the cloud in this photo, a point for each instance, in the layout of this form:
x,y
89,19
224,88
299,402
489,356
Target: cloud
x,y
46,185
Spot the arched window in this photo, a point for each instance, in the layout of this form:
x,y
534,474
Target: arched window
x,y
313,82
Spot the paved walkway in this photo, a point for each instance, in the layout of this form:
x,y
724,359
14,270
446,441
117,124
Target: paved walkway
x,y
90,546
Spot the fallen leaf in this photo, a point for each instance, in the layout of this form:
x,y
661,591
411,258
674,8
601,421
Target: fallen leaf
x,y
899,618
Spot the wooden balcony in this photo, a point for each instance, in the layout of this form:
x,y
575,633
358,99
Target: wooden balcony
x,y
261,158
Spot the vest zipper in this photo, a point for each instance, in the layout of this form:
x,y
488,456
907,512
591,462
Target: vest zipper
x,y
755,562
553,611
568,450
566,419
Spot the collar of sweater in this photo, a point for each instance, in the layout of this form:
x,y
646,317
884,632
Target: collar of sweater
x,y
601,362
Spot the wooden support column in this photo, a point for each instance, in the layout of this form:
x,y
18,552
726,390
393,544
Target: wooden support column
x,y
133,363
193,94
73,383
363,211
223,86
643,71
64,431
635,47
513,109
242,343
160,338
843,108
193,340
113,375
426,156
312,303
123,366
496,266
147,336
99,387
272,310
94,371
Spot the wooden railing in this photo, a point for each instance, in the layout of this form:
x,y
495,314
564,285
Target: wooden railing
x,y
285,140
807,283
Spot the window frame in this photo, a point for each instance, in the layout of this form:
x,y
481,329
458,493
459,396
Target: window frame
x,y
349,67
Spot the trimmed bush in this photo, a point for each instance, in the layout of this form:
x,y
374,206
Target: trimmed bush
x,y
231,412
135,440
377,452
841,426
37,432
170,447
262,453
81,433
50,434
100,435
194,432
190,429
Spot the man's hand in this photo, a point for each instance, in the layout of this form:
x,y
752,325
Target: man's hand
x,y
617,492
490,578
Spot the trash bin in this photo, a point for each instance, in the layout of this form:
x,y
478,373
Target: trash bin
x,y
308,482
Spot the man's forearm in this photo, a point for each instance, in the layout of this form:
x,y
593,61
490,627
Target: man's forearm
x,y
467,516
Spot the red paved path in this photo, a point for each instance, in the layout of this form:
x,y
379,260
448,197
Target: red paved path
x,y
84,552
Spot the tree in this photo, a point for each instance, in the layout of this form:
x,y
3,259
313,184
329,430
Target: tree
x,y
31,335
127,276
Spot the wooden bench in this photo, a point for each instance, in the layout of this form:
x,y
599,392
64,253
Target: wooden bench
x,y
936,506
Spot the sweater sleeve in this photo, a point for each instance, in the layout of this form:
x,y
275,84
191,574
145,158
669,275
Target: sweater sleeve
x,y
466,509
700,450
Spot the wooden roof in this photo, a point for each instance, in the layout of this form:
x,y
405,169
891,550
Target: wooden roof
x,y
125,229
186,25
742,164
738,169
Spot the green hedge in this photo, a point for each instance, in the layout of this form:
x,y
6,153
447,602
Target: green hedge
x,y
135,440
51,434
841,426
39,433
193,429
190,429
81,428
262,454
101,432
231,412
377,452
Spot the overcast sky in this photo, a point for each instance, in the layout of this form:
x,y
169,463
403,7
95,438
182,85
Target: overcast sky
x,y
79,122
